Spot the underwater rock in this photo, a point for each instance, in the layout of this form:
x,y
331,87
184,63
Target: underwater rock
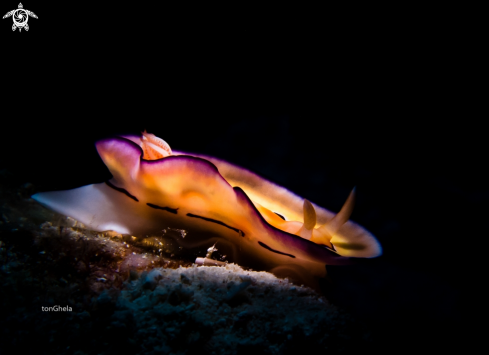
x,y
127,296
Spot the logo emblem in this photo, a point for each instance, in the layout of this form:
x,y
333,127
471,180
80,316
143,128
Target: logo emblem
x,y
20,17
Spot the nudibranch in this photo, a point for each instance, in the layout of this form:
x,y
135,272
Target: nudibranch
x,y
255,222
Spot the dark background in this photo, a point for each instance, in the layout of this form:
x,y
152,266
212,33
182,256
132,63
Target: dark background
x,y
316,101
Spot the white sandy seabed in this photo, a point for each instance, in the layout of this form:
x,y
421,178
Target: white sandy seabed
x,y
231,307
